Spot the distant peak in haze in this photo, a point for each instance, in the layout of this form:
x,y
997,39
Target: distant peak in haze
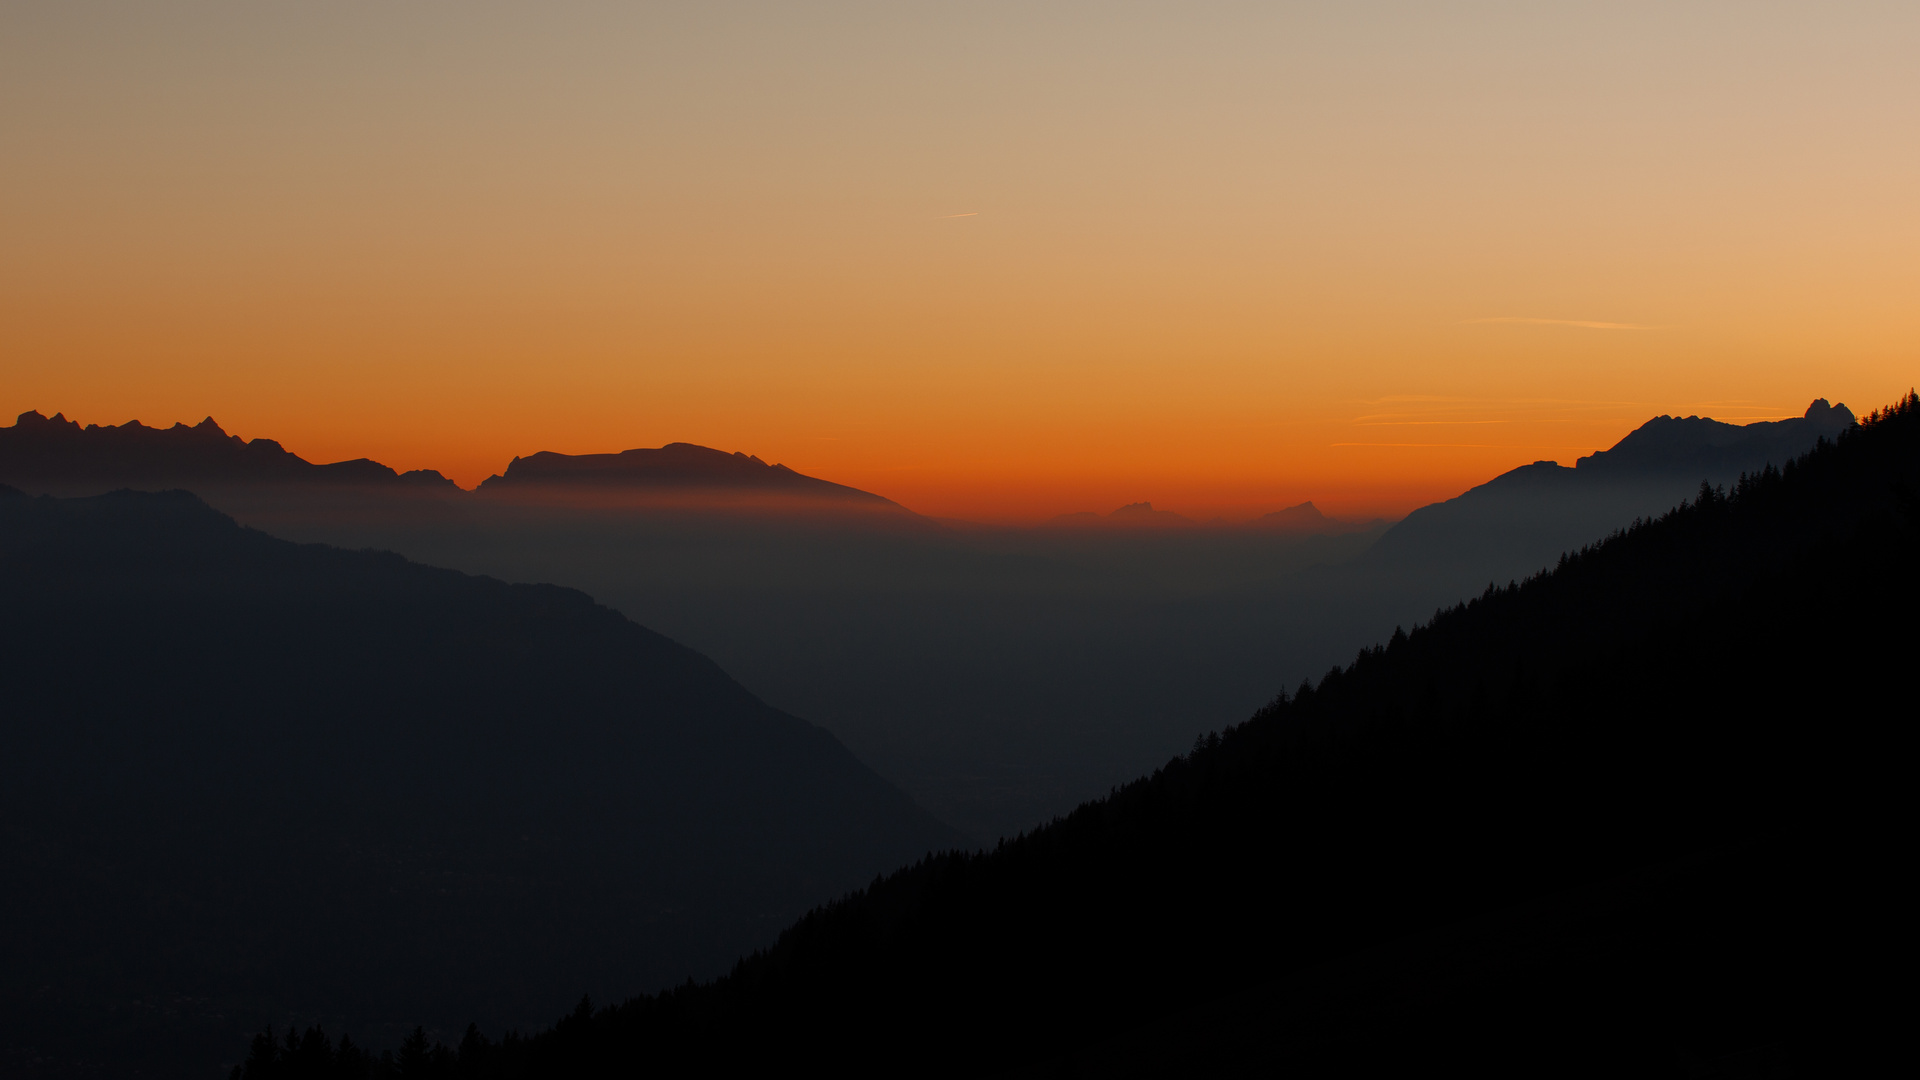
x,y
1144,511
676,466
1302,515
1307,520
1304,519
1131,516
54,454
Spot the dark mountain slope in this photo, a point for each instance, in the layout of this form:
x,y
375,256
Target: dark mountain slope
x,y
1520,521
246,780
673,467
58,456
1708,703
1675,969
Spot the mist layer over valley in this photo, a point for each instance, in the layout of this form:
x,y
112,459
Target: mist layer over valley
x,y
999,675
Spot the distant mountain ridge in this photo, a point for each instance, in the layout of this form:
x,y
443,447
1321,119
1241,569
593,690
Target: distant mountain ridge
x,y
1521,520
675,466
1712,449
1304,519
55,455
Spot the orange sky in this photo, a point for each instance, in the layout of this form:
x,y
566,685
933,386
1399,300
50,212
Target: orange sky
x,y
999,262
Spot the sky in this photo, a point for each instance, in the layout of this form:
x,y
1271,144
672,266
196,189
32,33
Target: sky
x,y
997,261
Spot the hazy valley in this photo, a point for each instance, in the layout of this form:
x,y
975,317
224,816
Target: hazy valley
x,y
377,794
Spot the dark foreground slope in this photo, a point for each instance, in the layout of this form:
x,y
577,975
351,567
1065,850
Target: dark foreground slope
x,y
246,780
1632,816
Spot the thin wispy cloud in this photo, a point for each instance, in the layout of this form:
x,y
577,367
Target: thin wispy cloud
x,y
1396,399
1429,399
1581,323
1368,421
1468,446
970,213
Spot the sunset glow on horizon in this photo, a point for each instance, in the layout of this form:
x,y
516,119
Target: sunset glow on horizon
x,y
998,262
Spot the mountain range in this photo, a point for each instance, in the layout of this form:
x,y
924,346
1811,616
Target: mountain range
x,y
56,455
999,675
1646,472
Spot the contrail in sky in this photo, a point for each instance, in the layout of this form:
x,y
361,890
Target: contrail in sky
x,y
970,213
1565,322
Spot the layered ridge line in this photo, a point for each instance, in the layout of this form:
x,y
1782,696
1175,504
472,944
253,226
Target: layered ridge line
x,y
55,455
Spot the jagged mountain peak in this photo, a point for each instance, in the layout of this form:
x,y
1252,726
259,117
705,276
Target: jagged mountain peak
x,y
1692,442
56,455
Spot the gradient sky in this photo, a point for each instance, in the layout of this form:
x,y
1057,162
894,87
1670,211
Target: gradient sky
x,y
992,260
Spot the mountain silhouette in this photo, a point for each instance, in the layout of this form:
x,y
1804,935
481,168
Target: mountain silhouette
x,y
675,466
54,455
1638,814
57,456
1520,521
1700,448
247,779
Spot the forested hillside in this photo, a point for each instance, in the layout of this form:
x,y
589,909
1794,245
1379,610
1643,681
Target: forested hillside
x,y
1701,712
